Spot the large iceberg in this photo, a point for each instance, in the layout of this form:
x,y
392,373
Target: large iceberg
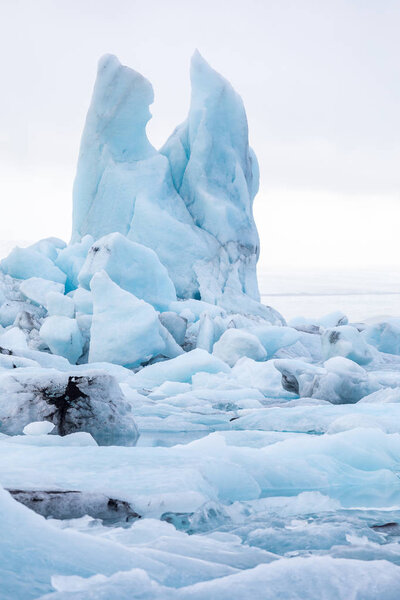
x,y
191,200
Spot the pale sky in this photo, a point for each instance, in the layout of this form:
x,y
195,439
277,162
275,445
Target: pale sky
x,y
321,85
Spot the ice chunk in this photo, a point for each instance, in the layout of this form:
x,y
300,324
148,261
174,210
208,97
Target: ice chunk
x,y
70,260
206,333
83,300
63,337
132,266
181,368
44,359
169,388
14,339
50,247
236,343
60,305
334,319
175,324
125,330
385,395
263,376
91,401
339,381
65,504
24,263
346,341
385,336
273,337
37,289
192,309
38,428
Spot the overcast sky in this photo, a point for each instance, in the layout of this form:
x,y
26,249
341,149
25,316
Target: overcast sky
x,y
320,81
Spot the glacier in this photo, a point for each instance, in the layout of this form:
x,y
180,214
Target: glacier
x,y
164,434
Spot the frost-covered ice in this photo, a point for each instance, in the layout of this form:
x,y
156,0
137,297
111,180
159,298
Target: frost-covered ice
x,y
163,434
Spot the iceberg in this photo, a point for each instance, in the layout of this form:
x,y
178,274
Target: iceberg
x,y
193,199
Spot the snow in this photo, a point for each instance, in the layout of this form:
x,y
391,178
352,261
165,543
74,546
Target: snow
x,y
163,434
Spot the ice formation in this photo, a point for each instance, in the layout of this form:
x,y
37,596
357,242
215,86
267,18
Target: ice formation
x,y
163,434
193,199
